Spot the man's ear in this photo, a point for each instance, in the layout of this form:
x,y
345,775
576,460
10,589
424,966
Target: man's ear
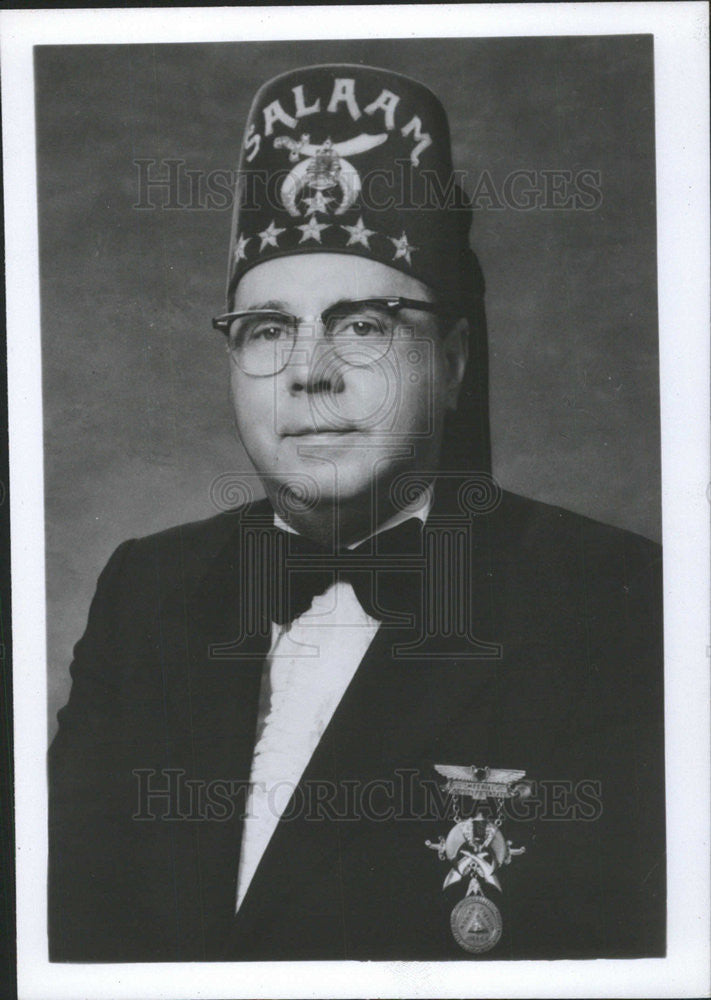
x,y
456,354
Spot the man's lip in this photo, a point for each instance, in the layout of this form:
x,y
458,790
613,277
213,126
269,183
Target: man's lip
x,y
317,431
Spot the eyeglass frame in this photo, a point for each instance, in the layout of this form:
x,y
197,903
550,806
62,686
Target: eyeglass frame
x,y
391,303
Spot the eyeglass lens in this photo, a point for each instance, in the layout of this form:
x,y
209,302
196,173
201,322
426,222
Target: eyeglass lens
x,y
262,342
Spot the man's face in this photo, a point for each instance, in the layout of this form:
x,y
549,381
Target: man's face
x,y
325,423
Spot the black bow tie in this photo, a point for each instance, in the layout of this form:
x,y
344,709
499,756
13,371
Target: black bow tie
x,y
378,569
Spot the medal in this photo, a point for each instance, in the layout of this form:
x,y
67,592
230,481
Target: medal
x,y
476,924
476,848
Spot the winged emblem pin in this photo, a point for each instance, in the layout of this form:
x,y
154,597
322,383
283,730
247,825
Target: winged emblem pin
x,y
475,849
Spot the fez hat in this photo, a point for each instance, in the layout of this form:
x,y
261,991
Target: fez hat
x,y
354,160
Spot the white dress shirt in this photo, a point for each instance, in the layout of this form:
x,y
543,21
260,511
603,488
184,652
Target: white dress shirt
x,y
310,664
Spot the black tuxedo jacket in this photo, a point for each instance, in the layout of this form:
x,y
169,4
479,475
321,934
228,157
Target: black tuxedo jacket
x,y
557,671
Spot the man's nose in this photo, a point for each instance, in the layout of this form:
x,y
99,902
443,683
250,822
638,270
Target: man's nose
x,y
314,367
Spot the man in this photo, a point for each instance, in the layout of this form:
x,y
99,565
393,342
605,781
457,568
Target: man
x,y
246,768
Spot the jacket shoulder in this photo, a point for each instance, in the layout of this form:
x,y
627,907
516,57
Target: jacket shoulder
x,y
538,528
184,552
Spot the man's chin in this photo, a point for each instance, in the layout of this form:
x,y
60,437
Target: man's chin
x,y
309,486
312,488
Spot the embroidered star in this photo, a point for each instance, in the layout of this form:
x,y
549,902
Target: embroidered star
x,y
359,234
312,230
402,248
317,203
269,236
240,253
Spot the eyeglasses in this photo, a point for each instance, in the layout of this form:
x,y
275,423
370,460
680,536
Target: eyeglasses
x,y
359,332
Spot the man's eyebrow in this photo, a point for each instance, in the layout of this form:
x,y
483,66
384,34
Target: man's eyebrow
x,y
280,306
269,304
361,300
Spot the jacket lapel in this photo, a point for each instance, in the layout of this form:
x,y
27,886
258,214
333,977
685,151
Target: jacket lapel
x,y
214,703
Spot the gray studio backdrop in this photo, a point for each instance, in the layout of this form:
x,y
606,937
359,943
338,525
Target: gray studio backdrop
x,y
136,410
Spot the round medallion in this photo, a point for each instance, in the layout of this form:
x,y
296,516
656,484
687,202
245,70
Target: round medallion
x,y
476,924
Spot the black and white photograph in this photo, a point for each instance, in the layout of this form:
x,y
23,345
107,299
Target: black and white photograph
x,y
360,577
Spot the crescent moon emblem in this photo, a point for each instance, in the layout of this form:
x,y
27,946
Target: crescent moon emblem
x,y
349,183
292,185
